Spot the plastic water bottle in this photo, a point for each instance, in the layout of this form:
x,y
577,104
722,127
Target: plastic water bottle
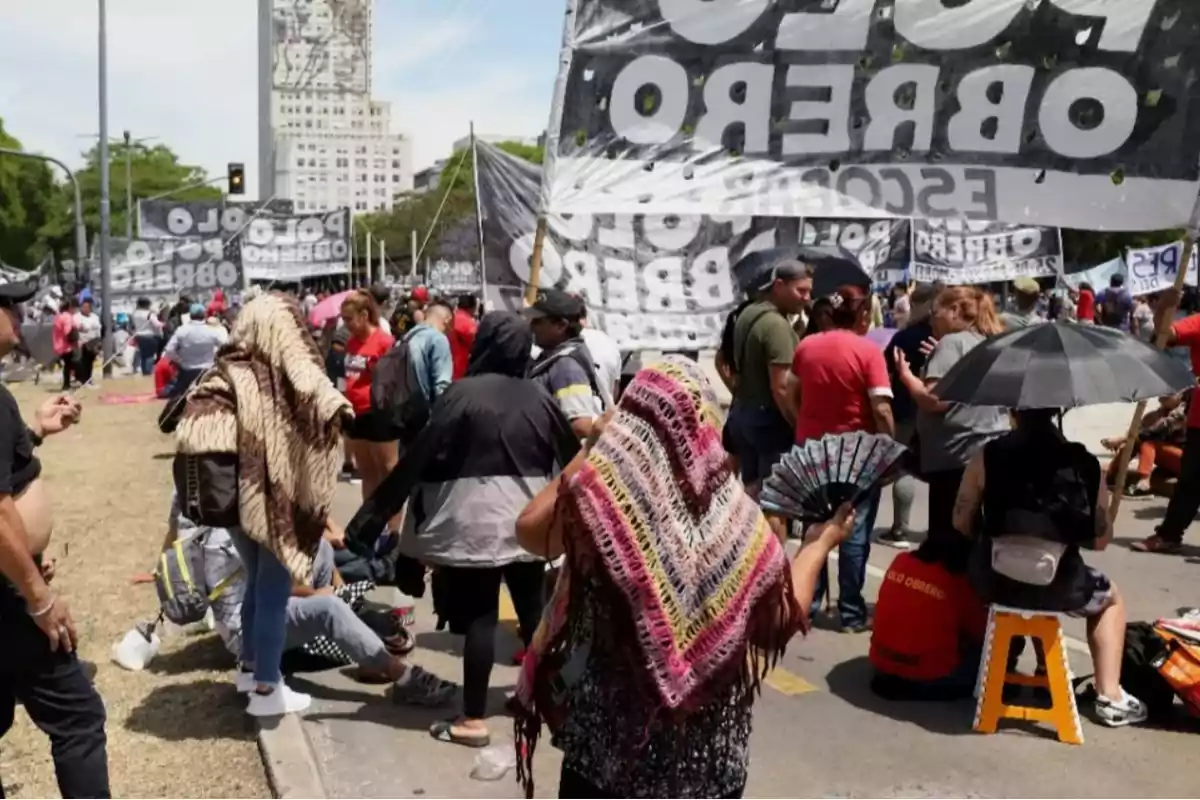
x,y
494,762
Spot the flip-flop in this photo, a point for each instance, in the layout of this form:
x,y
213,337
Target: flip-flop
x,y
443,731
1156,544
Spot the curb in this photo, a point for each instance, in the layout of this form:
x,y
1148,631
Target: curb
x,y
287,755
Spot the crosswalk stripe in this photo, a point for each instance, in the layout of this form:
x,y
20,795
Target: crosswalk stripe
x,y
789,683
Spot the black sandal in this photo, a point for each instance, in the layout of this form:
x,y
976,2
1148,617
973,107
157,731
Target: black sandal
x,y
443,731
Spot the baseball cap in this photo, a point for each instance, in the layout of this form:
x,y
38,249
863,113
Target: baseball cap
x,y
196,310
555,303
13,292
420,294
1027,286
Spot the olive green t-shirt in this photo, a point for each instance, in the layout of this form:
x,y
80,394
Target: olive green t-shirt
x,y
762,338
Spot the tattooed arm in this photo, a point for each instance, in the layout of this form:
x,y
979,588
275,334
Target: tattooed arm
x,y
970,496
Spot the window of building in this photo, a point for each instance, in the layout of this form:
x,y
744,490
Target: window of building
x,y
395,163
395,178
362,178
360,162
300,205
299,162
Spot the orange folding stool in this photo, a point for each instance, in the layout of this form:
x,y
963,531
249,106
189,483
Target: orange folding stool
x,y
1004,624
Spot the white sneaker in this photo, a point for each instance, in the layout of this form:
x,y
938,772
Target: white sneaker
x,y
244,681
1119,713
281,701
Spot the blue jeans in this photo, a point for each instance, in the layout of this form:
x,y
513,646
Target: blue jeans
x,y
264,608
145,354
852,566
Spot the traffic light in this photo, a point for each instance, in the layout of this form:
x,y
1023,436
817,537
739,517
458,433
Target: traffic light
x,y
237,178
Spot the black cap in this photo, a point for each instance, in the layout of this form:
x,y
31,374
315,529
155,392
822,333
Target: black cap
x,y
12,292
555,303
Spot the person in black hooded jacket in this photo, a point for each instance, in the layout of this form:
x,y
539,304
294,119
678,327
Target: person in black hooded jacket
x,y
493,441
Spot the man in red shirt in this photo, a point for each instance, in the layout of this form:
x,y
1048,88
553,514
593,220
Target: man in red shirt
x,y
1185,500
462,333
1085,303
929,626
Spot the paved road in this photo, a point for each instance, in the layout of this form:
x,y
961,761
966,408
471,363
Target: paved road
x,y
818,729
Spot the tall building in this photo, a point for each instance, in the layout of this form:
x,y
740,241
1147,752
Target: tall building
x,y
323,142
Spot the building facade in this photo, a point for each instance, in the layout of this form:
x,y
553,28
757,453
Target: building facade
x,y
323,141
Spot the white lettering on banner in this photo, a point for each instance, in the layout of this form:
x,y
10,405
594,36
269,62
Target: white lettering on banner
x,y
1153,269
975,248
1038,267
1115,95
929,24
871,244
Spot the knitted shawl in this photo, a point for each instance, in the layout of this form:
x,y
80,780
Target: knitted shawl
x,y
268,399
696,571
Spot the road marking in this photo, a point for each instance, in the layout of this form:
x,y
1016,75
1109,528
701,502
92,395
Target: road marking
x,y
876,572
789,683
507,612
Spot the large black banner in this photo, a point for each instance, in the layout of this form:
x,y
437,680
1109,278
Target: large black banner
x,y
979,252
652,282
1073,113
164,269
275,243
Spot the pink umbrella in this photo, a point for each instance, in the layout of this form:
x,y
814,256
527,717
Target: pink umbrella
x,y
327,309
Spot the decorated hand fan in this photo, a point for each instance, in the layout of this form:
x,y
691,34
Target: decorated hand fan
x,y
811,481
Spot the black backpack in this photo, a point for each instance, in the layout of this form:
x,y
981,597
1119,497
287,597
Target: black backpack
x,y
396,394
1139,676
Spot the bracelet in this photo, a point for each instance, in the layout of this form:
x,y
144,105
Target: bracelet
x,y
44,611
35,438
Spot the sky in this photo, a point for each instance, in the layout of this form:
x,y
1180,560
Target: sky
x,y
184,74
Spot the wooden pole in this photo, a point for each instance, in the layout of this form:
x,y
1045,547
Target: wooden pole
x,y
535,261
1135,424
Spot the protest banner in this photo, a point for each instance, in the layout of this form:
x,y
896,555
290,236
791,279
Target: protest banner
x,y
275,243
652,282
1152,269
1097,277
164,269
954,251
1070,113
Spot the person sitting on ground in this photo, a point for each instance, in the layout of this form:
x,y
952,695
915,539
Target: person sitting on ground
x,y
1035,498
1159,444
929,626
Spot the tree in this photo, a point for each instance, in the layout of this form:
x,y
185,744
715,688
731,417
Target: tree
x,y
155,170
29,207
419,212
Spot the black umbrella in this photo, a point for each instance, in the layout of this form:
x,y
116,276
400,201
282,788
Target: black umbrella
x,y
832,267
1062,365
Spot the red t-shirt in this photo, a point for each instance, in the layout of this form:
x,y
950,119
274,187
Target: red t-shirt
x,y
361,357
1187,334
922,618
462,339
1085,307
839,372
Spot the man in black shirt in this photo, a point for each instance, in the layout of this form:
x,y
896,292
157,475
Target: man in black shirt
x,y
908,341
38,665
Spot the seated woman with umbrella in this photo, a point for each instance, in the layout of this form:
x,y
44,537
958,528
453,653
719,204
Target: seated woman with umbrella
x,y
1034,498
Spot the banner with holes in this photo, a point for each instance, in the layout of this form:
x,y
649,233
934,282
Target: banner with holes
x,y
1072,113
958,252
652,282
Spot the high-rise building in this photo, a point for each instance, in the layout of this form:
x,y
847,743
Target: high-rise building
x,y
323,142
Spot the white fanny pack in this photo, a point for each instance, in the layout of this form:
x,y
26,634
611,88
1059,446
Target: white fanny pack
x,y
1026,559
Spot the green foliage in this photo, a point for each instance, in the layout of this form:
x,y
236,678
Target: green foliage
x,y
1091,248
37,203
417,212
29,210
155,170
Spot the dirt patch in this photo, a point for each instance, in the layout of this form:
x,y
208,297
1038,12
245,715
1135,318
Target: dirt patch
x,y
177,729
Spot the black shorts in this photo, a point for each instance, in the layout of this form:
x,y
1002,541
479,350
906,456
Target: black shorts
x,y
371,427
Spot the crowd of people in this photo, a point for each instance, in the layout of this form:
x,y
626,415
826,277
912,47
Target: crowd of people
x,y
518,449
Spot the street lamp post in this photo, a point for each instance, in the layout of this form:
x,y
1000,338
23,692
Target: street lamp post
x,y
128,188
106,316
81,229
